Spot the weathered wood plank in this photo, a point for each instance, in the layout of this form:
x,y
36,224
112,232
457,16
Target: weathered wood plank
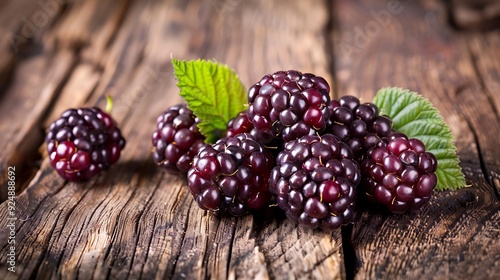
x,y
37,67
486,61
136,221
408,44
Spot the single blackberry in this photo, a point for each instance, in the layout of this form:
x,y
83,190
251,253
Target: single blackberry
x,y
399,173
315,181
289,104
231,176
176,139
83,142
358,125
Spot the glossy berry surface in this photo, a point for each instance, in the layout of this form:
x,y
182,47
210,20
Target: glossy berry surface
x,y
358,125
176,139
231,176
399,174
289,104
83,142
315,180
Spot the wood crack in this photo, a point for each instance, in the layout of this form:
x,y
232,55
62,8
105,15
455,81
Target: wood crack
x,y
482,164
39,205
116,235
31,135
138,222
228,264
137,238
350,261
209,241
349,252
91,217
474,63
490,175
44,250
155,219
66,218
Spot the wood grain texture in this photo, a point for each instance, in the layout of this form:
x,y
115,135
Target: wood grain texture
x,y
137,222
411,46
24,104
486,63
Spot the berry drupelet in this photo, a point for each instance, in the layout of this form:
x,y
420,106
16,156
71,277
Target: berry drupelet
x,y
83,142
289,104
176,139
358,125
231,176
399,173
315,180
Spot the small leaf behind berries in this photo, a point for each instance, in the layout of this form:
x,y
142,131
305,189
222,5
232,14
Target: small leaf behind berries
x,y
416,117
212,91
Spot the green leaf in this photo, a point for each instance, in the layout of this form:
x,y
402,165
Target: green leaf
x,y
212,91
416,117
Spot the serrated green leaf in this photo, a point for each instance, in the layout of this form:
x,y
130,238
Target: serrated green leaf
x,y
212,91
416,117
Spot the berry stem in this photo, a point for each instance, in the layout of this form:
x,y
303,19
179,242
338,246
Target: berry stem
x,y
109,104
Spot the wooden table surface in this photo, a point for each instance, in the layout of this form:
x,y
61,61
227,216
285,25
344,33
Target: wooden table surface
x,y
136,221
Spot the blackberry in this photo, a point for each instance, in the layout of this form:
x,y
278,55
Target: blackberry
x,y
83,142
399,173
358,125
231,176
315,180
289,104
176,139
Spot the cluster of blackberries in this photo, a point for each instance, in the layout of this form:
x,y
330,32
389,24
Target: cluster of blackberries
x,y
176,139
294,147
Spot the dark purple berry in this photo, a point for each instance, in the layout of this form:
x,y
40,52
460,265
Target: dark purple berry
x,y
176,139
315,180
289,105
358,125
399,173
83,142
231,176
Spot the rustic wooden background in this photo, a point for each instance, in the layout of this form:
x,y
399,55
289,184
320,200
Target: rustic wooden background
x,y
136,221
